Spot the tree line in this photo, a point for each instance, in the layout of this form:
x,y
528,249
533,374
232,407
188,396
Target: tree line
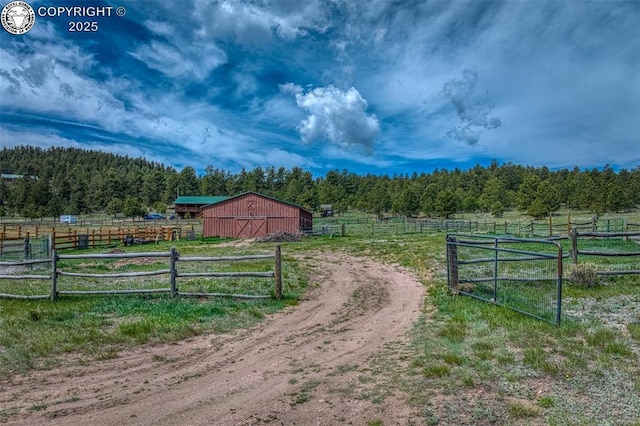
x,y
76,181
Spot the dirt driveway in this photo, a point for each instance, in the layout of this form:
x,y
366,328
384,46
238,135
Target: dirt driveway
x,y
301,366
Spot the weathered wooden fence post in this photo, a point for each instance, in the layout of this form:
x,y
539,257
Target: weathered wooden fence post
x,y
574,246
27,247
626,229
278,272
54,275
174,272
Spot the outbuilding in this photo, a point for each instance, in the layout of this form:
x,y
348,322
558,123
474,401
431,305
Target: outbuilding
x,y
250,215
326,210
188,206
68,218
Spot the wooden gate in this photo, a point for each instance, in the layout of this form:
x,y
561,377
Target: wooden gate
x,y
251,227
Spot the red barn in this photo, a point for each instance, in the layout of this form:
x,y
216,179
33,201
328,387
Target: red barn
x,y
250,215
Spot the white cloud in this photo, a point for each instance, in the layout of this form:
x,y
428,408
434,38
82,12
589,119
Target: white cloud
x,y
39,77
192,61
247,23
461,93
160,27
336,116
253,24
290,88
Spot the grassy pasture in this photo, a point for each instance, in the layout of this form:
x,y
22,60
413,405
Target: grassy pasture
x,y
37,334
467,362
474,363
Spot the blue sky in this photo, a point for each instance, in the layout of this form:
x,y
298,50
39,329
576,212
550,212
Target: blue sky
x,y
378,87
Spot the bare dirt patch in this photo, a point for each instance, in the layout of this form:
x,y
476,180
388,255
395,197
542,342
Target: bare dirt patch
x,y
300,366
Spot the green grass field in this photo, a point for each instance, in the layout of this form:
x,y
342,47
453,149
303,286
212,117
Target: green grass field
x,y
467,362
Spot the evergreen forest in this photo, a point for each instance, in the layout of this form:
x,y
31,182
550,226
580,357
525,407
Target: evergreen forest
x,y
76,181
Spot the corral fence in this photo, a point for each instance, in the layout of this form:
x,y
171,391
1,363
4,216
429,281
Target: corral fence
x,y
524,275
551,227
249,276
75,237
329,229
609,253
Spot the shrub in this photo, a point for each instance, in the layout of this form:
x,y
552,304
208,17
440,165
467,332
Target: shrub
x,y
497,209
584,275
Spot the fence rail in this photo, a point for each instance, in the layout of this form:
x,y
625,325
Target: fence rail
x,y
55,276
611,253
76,237
551,227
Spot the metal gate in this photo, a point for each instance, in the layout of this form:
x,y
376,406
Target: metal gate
x,y
24,249
520,274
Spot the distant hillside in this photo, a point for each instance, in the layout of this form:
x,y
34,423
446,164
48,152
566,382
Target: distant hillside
x,y
76,181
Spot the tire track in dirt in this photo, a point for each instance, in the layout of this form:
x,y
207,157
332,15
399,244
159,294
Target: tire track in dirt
x,y
289,369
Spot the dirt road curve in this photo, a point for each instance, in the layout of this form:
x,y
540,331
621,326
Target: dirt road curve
x,y
296,367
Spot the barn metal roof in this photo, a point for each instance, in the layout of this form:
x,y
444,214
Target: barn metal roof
x,y
12,176
187,199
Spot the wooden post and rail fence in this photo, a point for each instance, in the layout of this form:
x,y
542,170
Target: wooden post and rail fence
x,y
576,251
73,238
174,273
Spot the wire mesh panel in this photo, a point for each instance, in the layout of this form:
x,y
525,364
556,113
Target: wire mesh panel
x,y
521,274
24,249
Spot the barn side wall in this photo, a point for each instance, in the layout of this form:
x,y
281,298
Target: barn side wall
x,y
252,215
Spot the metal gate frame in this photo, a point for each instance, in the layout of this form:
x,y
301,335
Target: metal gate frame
x,y
25,249
464,285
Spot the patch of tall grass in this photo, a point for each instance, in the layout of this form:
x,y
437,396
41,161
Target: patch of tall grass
x,y
37,334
